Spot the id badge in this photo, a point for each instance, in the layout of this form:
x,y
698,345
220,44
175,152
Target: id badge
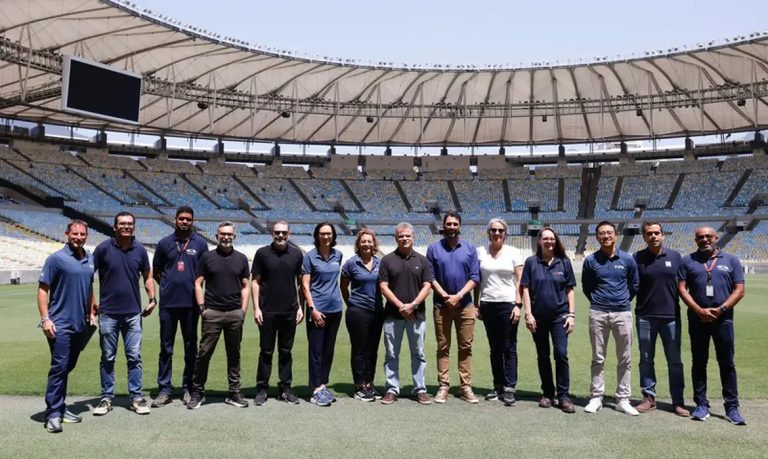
x,y
180,267
710,292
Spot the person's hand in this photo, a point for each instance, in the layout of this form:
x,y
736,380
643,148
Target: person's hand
x,y
148,310
478,314
530,323
452,301
258,316
318,318
49,329
569,324
407,310
299,316
706,315
515,316
94,320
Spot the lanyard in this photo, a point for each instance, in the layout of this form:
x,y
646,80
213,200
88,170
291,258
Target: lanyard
x,y
182,248
709,268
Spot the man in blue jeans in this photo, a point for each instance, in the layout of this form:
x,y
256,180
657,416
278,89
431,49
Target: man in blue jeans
x,y
658,314
711,283
119,262
64,296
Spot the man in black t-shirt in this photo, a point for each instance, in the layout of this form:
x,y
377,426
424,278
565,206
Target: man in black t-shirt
x,y
224,272
276,274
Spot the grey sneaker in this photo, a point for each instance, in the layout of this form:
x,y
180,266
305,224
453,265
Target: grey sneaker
x,y
492,395
71,418
104,407
161,400
139,406
289,397
53,425
237,400
260,398
195,400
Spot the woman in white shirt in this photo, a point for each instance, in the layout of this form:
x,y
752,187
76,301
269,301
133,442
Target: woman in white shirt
x,y
498,298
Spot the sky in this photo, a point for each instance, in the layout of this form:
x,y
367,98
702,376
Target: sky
x,y
470,32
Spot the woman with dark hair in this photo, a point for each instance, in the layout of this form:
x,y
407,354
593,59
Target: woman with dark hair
x,y
365,311
498,295
548,296
320,286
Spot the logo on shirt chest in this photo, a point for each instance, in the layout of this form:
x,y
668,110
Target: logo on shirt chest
x,y
723,268
191,252
620,267
668,264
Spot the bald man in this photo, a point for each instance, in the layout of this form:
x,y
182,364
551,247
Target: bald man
x,y
711,283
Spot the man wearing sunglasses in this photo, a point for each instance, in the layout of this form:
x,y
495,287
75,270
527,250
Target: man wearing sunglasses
x,y
276,272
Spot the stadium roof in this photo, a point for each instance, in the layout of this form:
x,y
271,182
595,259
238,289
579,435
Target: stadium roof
x,y
200,83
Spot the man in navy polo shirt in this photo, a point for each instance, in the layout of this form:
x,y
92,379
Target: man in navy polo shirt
x,y
456,271
658,314
609,280
64,297
119,262
276,274
711,283
173,267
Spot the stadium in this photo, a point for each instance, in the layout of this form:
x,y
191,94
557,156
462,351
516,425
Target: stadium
x,y
675,136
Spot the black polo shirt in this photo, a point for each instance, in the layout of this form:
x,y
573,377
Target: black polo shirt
x,y
223,276
279,271
406,277
657,296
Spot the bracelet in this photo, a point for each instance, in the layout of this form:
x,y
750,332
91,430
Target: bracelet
x,y
570,315
42,321
153,300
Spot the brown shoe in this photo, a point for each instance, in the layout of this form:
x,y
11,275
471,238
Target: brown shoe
x,y
682,411
468,396
545,402
423,398
442,394
567,405
389,398
648,404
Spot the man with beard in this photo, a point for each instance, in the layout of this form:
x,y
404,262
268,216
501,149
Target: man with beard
x,y
711,283
173,267
276,272
64,296
224,272
456,271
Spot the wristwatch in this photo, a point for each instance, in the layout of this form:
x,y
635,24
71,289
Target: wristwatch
x,y
723,308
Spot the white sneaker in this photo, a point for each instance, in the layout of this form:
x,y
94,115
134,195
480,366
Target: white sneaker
x,y
594,405
625,407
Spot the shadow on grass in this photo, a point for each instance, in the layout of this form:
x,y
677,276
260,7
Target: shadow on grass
x,y
81,407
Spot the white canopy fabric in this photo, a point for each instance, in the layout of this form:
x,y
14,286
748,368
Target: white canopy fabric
x,y
196,83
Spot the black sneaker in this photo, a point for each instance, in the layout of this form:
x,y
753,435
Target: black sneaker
x,y
237,400
53,425
364,394
195,400
289,397
261,398
185,398
161,400
492,396
376,394
508,398
71,418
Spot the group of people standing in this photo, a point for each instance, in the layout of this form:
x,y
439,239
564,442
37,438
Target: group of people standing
x,y
385,296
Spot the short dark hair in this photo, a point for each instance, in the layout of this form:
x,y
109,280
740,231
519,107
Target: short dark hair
x,y
452,213
605,223
74,223
185,210
316,233
124,214
647,224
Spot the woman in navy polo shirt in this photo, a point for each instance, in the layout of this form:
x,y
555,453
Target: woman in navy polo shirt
x,y
500,268
320,285
365,312
547,285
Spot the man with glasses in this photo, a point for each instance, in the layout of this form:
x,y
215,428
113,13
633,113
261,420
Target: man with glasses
x,y
711,284
276,272
119,262
610,281
224,272
173,267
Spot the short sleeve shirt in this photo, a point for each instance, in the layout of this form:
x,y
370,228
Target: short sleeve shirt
x,y
119,272
364,290
497,275
726,272
548,286
70,283
277,272
657,296
405,276
176,261
223,274
323,280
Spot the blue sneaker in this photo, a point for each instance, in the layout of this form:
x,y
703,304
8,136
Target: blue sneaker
x,y
321,398
701,413
733,415
329,394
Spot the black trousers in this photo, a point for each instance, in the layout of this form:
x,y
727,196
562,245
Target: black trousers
x,y
214,323
321,344
281,328
364,327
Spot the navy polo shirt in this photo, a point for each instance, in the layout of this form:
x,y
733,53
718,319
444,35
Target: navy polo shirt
x,y
609,283
364,290
177,283
119,273
727,272
70,283
657,296
323,279
452,268
547,285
